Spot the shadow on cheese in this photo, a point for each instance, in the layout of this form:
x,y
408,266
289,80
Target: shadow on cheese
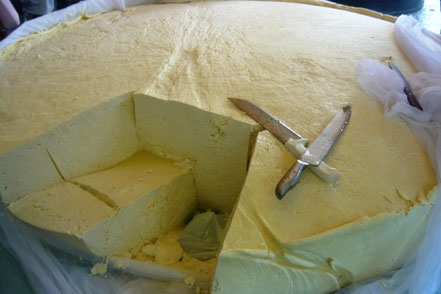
x,y
128,174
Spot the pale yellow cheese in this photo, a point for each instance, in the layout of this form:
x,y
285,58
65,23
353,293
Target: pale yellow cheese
x,y
321,237
296,61
72,149
218,146
63,208
130,179
114,210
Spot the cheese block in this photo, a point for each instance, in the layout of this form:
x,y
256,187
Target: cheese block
x,y
116,209
296,61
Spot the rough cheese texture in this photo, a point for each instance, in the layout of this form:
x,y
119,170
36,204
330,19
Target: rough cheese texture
x,y
115,209
217,145
322,236
298,62
93,140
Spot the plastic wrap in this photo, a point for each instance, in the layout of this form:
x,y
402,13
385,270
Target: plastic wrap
x,y
422,46
422,273
49,272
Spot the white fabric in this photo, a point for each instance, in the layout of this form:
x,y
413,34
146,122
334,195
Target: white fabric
x,y
422,273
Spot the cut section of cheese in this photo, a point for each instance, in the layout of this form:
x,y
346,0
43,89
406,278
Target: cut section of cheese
x,y
94,140
130,179
219,145
116,209
62,208
25,170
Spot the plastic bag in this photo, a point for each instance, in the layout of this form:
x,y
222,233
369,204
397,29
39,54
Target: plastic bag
x,y
202,237
62,273
422,273
422,46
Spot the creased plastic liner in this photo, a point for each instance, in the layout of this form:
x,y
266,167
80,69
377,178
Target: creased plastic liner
x,y
422,273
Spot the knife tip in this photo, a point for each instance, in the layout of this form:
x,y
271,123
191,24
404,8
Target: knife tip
x,y
280,192
234,100
347,108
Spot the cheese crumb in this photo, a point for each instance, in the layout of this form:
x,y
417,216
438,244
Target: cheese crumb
x,y
149,250
99,269
190,280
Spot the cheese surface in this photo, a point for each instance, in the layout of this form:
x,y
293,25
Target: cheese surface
x,y
116,209
294,60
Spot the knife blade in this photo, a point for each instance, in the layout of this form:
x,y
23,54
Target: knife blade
x,y
413,101
276,127
315,153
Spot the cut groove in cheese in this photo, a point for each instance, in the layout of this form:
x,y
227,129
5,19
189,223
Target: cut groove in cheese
x,y
93,140
107,217
149,195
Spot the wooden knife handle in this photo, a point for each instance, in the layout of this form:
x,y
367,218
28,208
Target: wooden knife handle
x,y
290,179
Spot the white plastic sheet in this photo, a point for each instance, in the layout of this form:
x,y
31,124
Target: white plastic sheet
x,y
420,45
62,273
422,273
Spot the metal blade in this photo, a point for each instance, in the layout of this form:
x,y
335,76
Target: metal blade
x,y
279,130
407,88
318,149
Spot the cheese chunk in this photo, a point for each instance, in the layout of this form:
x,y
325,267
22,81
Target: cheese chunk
x,y
62,208
116,209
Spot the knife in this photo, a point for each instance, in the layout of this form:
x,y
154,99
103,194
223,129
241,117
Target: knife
x,y
315,153
295,143
407,88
